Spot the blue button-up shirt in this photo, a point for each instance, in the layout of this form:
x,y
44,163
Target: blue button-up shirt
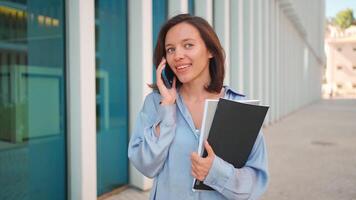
x,y
166,158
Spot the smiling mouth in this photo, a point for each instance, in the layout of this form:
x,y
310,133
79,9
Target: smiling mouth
x,y
182,67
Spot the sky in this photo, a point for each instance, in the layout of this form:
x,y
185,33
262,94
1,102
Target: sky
x,y
334,6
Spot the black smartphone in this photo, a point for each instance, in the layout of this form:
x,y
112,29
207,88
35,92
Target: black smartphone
x,y
167,76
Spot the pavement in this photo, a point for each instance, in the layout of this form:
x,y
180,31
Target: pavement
x,y
312,154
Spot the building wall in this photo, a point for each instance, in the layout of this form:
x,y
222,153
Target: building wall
x,y
340,74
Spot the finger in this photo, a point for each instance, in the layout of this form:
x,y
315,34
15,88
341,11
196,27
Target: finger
x,y
195,158
194,161
174,82
197,172
201,178
194,174
198,168
208,148
198,175
195,168
160,67
162,63
159,70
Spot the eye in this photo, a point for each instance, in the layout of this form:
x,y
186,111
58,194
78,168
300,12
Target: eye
x,y
188,46
169,50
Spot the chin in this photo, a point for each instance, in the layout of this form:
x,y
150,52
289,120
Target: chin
x,y
183,79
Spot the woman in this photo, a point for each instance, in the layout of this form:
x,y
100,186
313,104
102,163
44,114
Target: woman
x,y
165,139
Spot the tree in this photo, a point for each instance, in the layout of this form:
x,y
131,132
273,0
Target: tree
x,y
344,18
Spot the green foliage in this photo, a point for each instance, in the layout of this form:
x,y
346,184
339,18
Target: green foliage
x,y
344,18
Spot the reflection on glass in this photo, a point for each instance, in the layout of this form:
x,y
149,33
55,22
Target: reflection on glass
x,y
32,107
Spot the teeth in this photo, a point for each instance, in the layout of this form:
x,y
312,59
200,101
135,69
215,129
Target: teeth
x,y
182,66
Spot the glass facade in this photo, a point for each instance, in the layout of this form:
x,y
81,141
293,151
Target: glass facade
x,y
159,12
191,7
111,93
32,100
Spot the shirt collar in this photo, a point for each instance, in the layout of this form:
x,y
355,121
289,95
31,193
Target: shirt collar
x,y
229,90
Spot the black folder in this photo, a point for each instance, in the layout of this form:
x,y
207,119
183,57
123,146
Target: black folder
x,y
233,132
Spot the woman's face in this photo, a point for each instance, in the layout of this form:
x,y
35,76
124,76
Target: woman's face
x,y
187,54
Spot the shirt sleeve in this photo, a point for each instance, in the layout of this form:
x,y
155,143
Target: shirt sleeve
x,y
248,182
146,151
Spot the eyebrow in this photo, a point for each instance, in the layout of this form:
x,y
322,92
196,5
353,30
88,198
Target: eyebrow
x,y
184,40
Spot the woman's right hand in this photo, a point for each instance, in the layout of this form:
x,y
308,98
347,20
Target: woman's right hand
x,y
168,95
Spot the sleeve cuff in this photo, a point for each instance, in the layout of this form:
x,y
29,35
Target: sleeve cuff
x,y
219,174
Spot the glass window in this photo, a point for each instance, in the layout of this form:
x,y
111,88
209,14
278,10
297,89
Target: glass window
x,y
191,7
32,100
159,12
111,94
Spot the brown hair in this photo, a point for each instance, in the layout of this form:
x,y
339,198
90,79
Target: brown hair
x,y
211,40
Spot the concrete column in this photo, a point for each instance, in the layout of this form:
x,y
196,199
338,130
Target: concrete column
x,y
290,67
236,48
263,52
291,76
267,54
176,7
282,64
246,47
273,61
286,66
204,9
289,61
81,97
259,31
222,29
140,69
278,78
240,35
251,49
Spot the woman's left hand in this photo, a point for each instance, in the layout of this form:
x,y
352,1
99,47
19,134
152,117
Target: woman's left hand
x,y
201,166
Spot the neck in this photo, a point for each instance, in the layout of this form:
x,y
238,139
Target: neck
x,y
193,92
197,93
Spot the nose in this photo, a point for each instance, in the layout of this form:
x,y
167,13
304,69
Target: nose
x,y
178,54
